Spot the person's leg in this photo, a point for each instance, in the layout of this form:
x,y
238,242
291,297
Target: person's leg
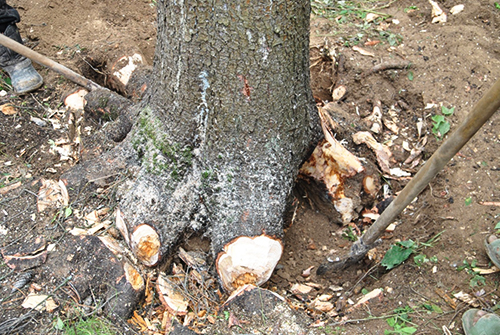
x,y
22,74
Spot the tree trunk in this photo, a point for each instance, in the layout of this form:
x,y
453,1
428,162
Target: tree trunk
x,y
228,120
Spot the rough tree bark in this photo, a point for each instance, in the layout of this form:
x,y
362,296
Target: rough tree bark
x,y
228,120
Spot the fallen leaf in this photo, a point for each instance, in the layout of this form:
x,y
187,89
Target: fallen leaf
x,y
363,51
370,17
36,301
376,293
372,43
307,272
8,109
467,298
52,194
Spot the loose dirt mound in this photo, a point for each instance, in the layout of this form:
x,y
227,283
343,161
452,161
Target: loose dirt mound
x,y
450,65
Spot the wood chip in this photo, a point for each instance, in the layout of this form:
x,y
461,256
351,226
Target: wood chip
x,y
10,187
491,270
490,203
451,302
363,51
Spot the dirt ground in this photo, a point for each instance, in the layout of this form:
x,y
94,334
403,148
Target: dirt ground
x,y
452,65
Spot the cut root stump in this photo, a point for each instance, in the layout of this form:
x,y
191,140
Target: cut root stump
x,y
248,260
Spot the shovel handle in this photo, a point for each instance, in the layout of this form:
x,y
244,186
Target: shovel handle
x,y
45,61
481,112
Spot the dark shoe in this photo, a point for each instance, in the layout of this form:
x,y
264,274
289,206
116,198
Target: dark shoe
x,y
24,76
22,73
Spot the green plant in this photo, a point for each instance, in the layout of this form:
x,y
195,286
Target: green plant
x,y
476,278
421,259
441,126
398,253
401,251
411,9
497,5
348,234
400,320
85,326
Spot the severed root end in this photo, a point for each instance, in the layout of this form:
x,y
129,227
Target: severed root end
x,y
248,260
145,243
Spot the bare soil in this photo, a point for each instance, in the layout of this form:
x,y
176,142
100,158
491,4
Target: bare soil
x,y
452,65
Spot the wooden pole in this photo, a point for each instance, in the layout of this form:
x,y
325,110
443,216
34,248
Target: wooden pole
x,y
45,61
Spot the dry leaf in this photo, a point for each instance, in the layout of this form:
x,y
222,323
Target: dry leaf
x,y
371,17
372,43
467,298
36,301
52,194
363,51
376,293
8,109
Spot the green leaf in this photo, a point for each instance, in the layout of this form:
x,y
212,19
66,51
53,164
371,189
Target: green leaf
x,y
437,309
408,330
427,307
365,291
497,5
437,118
420,259
498,225
67,212
468,201
59,324
447,111
391,322
397,254
443,128
410,75
407,244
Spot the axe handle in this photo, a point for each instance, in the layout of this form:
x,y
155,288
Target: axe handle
x,y
45,61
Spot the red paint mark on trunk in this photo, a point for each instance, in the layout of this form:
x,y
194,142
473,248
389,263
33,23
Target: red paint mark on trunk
x,y
246,90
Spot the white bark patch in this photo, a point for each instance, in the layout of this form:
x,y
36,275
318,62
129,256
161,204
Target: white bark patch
x,y
202,117
264,49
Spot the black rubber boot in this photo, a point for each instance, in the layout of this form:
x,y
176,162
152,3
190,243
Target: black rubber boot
x,y
23,75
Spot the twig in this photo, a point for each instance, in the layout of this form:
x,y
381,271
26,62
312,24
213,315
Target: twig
x,y
386,66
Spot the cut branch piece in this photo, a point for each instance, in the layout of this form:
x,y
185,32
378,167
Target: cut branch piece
x,y
347,163
381,151
145,244
171,297
248,260
121,226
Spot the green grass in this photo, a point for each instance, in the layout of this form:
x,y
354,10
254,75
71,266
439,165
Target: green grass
x,y
89,326
350,16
